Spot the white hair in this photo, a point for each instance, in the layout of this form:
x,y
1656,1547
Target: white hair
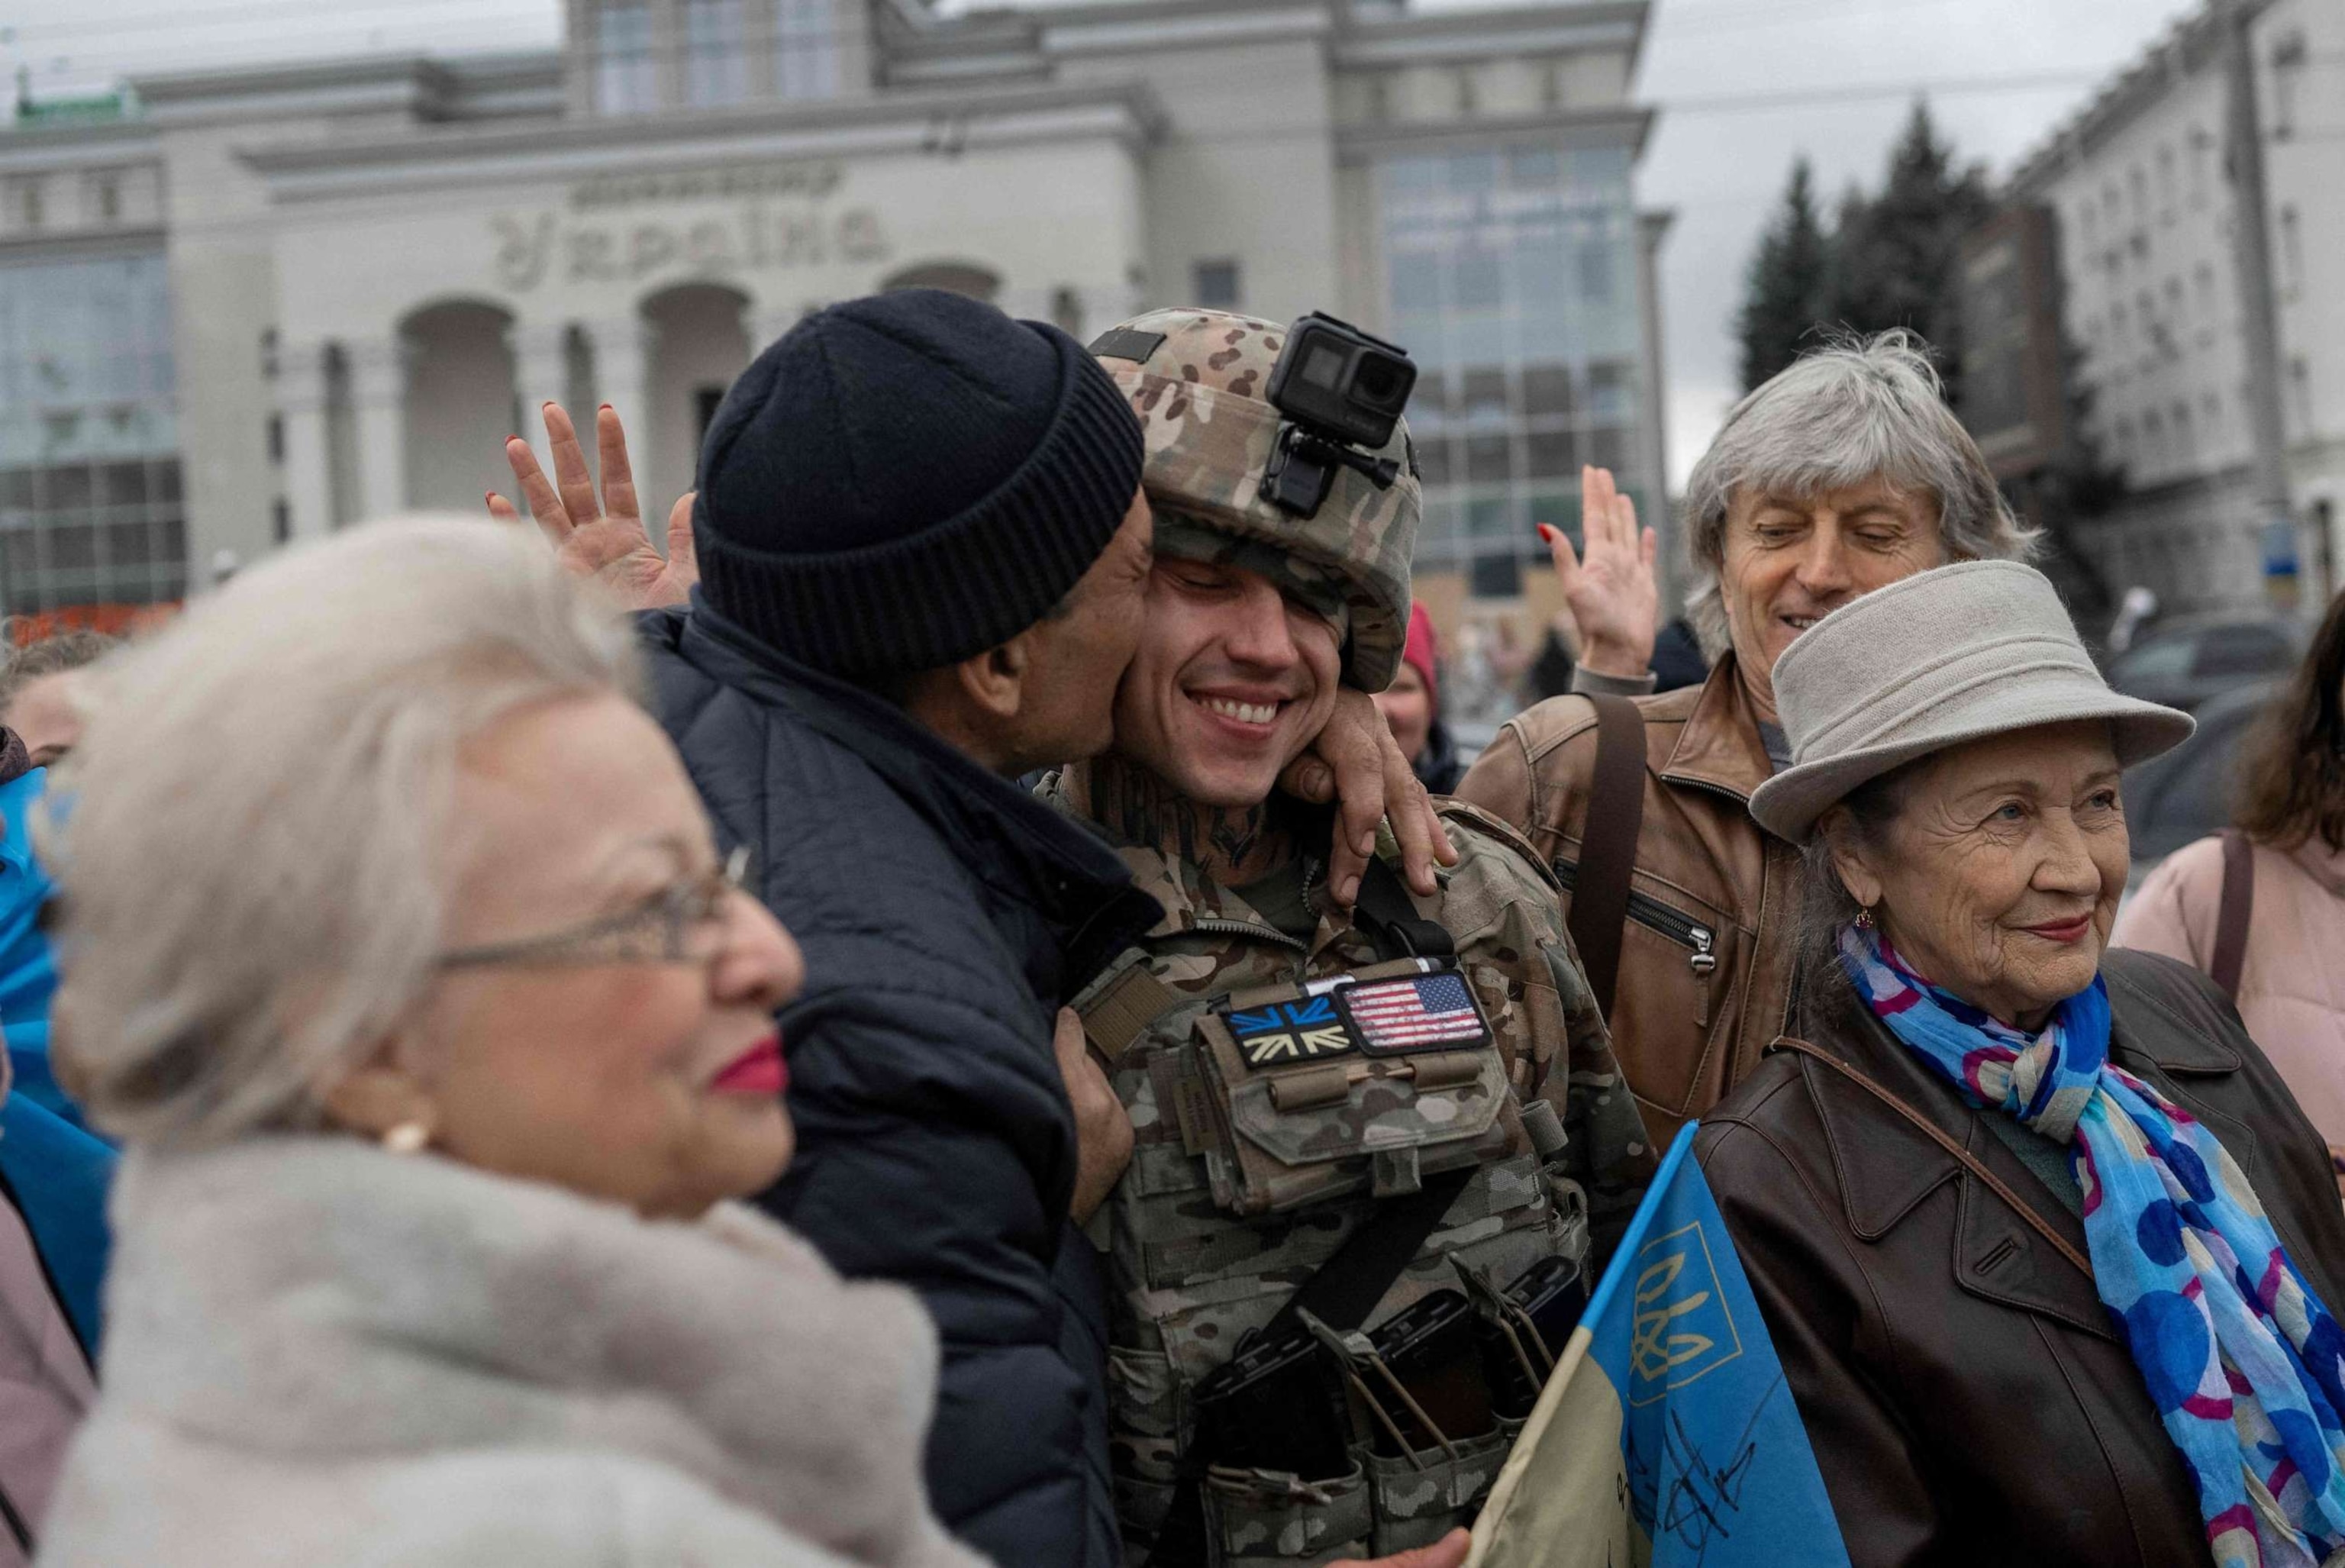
x,y
252,838
1859,410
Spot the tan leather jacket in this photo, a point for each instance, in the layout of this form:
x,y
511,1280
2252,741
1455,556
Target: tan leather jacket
x,y
1706,961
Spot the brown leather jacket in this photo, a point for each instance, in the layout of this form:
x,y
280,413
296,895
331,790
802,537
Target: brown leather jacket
x,y
1967,1397
1705,962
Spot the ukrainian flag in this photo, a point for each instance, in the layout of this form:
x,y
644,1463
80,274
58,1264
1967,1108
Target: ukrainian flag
x,y
1667,1435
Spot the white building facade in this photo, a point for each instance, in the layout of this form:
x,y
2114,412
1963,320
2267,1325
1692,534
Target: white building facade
x,y
270,303
2140,186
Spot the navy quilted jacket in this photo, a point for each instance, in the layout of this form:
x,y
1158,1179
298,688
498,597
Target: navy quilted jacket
x,y
943,914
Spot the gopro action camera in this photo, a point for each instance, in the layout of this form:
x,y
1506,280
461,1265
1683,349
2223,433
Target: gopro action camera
x,y
1340,382
1340,389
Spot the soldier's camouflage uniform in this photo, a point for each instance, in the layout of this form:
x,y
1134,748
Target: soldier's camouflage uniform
x,y
1191,1278
1213,1227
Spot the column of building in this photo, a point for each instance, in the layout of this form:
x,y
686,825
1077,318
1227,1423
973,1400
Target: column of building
x,y
541,375
301,400
767,321
378,371
622,367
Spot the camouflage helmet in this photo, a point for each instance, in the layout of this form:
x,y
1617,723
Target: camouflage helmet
x,y
1195,378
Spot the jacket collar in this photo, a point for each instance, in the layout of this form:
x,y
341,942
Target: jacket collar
x,y
315,1298
1720,747
1887,1167
1187,899
1037,858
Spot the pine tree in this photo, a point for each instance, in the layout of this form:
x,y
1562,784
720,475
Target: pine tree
x,y
1897,255
1784,295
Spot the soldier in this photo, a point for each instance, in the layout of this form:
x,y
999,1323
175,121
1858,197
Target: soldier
x,y
1343,1113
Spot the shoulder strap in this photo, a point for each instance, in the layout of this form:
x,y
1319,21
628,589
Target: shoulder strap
x,y
1119,1012
2232,914
1392,922
1937,1135
1345,1288
1607,844
1340,1293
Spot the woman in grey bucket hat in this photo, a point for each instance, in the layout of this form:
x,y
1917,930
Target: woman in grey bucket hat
x,y
1953,654
1986,1199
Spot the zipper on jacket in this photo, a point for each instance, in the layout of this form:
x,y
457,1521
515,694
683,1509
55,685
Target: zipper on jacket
x,y
1313,872
1683,930
1221,927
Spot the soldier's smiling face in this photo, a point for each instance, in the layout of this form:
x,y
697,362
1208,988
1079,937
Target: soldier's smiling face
x,y
1232,681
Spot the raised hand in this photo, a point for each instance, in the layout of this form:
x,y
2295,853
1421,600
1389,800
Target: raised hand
x,y
601,538
1609,589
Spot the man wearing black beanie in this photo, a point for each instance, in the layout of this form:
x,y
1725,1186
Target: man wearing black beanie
x,y
922,550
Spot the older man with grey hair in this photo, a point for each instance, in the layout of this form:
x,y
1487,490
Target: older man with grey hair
x,y
1844,474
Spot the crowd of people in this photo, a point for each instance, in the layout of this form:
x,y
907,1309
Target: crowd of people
x,y
935,1018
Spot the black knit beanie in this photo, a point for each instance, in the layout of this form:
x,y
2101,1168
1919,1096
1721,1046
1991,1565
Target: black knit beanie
x,y
905,481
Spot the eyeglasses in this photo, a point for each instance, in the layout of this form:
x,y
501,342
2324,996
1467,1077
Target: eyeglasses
x,y
682,923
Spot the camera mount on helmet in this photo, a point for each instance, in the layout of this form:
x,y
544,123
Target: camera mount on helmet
x,y
1340,389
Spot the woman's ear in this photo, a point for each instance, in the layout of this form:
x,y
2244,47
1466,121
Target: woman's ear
x,y
379,1096
1851,862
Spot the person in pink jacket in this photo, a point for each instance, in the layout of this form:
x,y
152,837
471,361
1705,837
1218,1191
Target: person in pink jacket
x,y
2287,854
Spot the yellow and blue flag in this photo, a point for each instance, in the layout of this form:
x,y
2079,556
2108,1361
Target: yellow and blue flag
x,y
1667,1436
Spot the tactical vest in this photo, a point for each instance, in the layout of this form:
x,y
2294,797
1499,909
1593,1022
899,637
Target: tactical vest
x,y
1276,1120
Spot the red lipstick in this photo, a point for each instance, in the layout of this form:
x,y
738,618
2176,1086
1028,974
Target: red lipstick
x,y
759,1070
2064,930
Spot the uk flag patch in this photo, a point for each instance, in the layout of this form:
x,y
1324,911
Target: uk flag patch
x,y
1281,1034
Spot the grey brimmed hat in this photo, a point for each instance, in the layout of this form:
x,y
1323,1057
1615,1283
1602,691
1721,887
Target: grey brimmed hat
x,y
1947,656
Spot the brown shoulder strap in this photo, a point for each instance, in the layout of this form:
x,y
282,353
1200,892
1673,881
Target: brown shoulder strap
x,y
2232,914
1122,1010
1937,1135
1607,844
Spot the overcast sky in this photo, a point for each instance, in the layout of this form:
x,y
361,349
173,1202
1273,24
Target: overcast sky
x,y
1744,86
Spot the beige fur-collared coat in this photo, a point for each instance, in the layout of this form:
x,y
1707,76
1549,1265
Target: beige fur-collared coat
x,y
321,1354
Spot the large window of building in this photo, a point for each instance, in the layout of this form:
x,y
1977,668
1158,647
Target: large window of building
x,y
806,49
1511,280
626,73
716,69
1216,284
90,503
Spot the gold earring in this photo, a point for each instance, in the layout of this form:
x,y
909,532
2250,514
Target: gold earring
x,y
407,1138
1864,918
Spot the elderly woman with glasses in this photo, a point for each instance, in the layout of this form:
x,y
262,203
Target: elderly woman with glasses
x,y
397,951
2048,1250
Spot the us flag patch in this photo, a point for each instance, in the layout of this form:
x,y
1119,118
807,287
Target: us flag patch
x,y
1424,1013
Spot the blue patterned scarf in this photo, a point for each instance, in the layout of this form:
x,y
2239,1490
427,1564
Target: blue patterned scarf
x,y
2246,1366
